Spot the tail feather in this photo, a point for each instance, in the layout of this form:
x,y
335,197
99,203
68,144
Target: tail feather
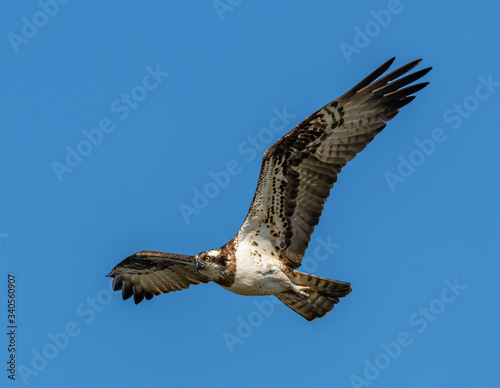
x,y
323,295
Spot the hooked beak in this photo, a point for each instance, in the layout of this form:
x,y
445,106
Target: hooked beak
x,y
199,265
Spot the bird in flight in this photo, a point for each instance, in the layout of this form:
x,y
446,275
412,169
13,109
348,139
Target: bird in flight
x,y
296,176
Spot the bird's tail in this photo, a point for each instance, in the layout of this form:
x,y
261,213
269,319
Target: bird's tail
x,y
323,295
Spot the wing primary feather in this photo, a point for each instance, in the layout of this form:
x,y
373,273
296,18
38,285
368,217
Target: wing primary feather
x,y
126,290
401,82
395,74
401,93
117,283
372,76
138,294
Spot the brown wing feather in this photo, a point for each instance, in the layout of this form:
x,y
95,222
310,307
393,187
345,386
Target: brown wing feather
x,y
146,274
299,170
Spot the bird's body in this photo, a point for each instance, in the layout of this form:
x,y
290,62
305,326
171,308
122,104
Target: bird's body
x,y
296,177
257,271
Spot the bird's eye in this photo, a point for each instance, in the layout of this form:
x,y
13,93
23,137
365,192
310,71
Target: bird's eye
x,y
207,258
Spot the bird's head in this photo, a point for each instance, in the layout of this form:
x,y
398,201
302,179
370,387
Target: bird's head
x,y
211,263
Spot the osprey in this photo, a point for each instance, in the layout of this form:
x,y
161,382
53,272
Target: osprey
x,y
295,179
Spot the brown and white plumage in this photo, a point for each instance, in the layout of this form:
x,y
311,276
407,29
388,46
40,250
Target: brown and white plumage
x,y
296,177
146,274
303,165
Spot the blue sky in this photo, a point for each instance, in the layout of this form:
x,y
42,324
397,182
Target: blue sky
x,y
115,116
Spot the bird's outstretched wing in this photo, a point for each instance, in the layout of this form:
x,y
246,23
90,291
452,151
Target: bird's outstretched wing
x,y
299,170
146,274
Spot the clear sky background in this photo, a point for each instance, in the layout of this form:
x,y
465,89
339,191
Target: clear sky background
x,y
412,222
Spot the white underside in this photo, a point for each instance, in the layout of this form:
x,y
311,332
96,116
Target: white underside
x,y
258,272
